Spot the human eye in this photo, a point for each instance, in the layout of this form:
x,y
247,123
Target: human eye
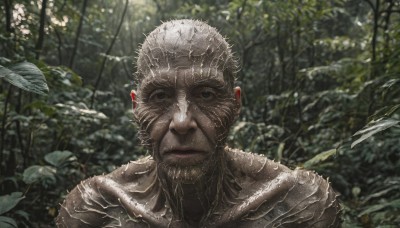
x,y
206,94
160,95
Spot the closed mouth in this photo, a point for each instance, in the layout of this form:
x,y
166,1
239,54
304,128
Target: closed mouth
x,y
184,156
183,152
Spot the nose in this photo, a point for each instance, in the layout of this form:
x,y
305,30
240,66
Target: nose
x,y
182,121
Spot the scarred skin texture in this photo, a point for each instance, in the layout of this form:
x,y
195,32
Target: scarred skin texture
x,y
263,193
185,106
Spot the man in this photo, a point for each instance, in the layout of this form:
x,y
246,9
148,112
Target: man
x,y
185,104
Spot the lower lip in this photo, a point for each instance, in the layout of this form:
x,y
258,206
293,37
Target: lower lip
x,y
185,155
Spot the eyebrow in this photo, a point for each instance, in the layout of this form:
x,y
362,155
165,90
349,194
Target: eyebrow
x,y
209,81
198,81
157,82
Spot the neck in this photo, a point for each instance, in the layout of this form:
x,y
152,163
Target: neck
x,y
198,198
193,201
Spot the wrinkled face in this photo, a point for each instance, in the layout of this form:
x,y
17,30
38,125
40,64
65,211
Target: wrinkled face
x,y
185,106
192,110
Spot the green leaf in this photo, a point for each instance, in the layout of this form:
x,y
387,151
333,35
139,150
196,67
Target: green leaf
x,y
7,222
38,173
23,214
59,158
45,108
8,202
374,127
75,110
390,83
386,111
25,76
319,158
377,207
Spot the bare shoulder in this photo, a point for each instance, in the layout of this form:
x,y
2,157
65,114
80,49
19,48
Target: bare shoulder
x,y
276,196
134,171
118,199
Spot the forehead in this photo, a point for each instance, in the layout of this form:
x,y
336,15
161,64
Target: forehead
x,y
184,76
176,45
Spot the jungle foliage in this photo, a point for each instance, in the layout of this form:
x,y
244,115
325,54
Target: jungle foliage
x,y
321,82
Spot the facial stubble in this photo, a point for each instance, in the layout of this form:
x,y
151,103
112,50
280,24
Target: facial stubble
x,y
202,176
181,173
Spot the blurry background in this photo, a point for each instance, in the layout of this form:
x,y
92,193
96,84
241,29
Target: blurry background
x,y
321,82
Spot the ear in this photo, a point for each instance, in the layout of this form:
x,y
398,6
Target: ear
x,y
134,97
238,99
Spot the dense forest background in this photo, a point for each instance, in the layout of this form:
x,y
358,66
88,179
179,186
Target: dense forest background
x,y
321,83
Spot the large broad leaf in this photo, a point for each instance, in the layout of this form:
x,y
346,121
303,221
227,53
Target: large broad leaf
x,y
8,202
38,173
374,127
7,222
25,76
60,158
319,158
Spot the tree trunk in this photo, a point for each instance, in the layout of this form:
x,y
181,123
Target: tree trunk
x,y
3,123
39,44
376,14
7,9
386,33
78,33
281,55
59,46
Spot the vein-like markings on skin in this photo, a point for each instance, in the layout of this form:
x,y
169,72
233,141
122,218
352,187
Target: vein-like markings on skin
x,y
225,195
236,189
251,196
157,50
288,199
222,113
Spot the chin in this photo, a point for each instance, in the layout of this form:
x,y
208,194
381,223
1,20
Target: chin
x,y
185,174
188,171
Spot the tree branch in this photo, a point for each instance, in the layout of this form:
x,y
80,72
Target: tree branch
x,y
107,53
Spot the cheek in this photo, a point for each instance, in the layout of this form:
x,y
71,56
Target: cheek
x,y
159,129
206,126
221,115
147,117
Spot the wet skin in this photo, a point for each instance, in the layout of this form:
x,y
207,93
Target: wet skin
x,y
270,195
184,135
181,133
185,106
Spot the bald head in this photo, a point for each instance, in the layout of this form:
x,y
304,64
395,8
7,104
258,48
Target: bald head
x,y
185,44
